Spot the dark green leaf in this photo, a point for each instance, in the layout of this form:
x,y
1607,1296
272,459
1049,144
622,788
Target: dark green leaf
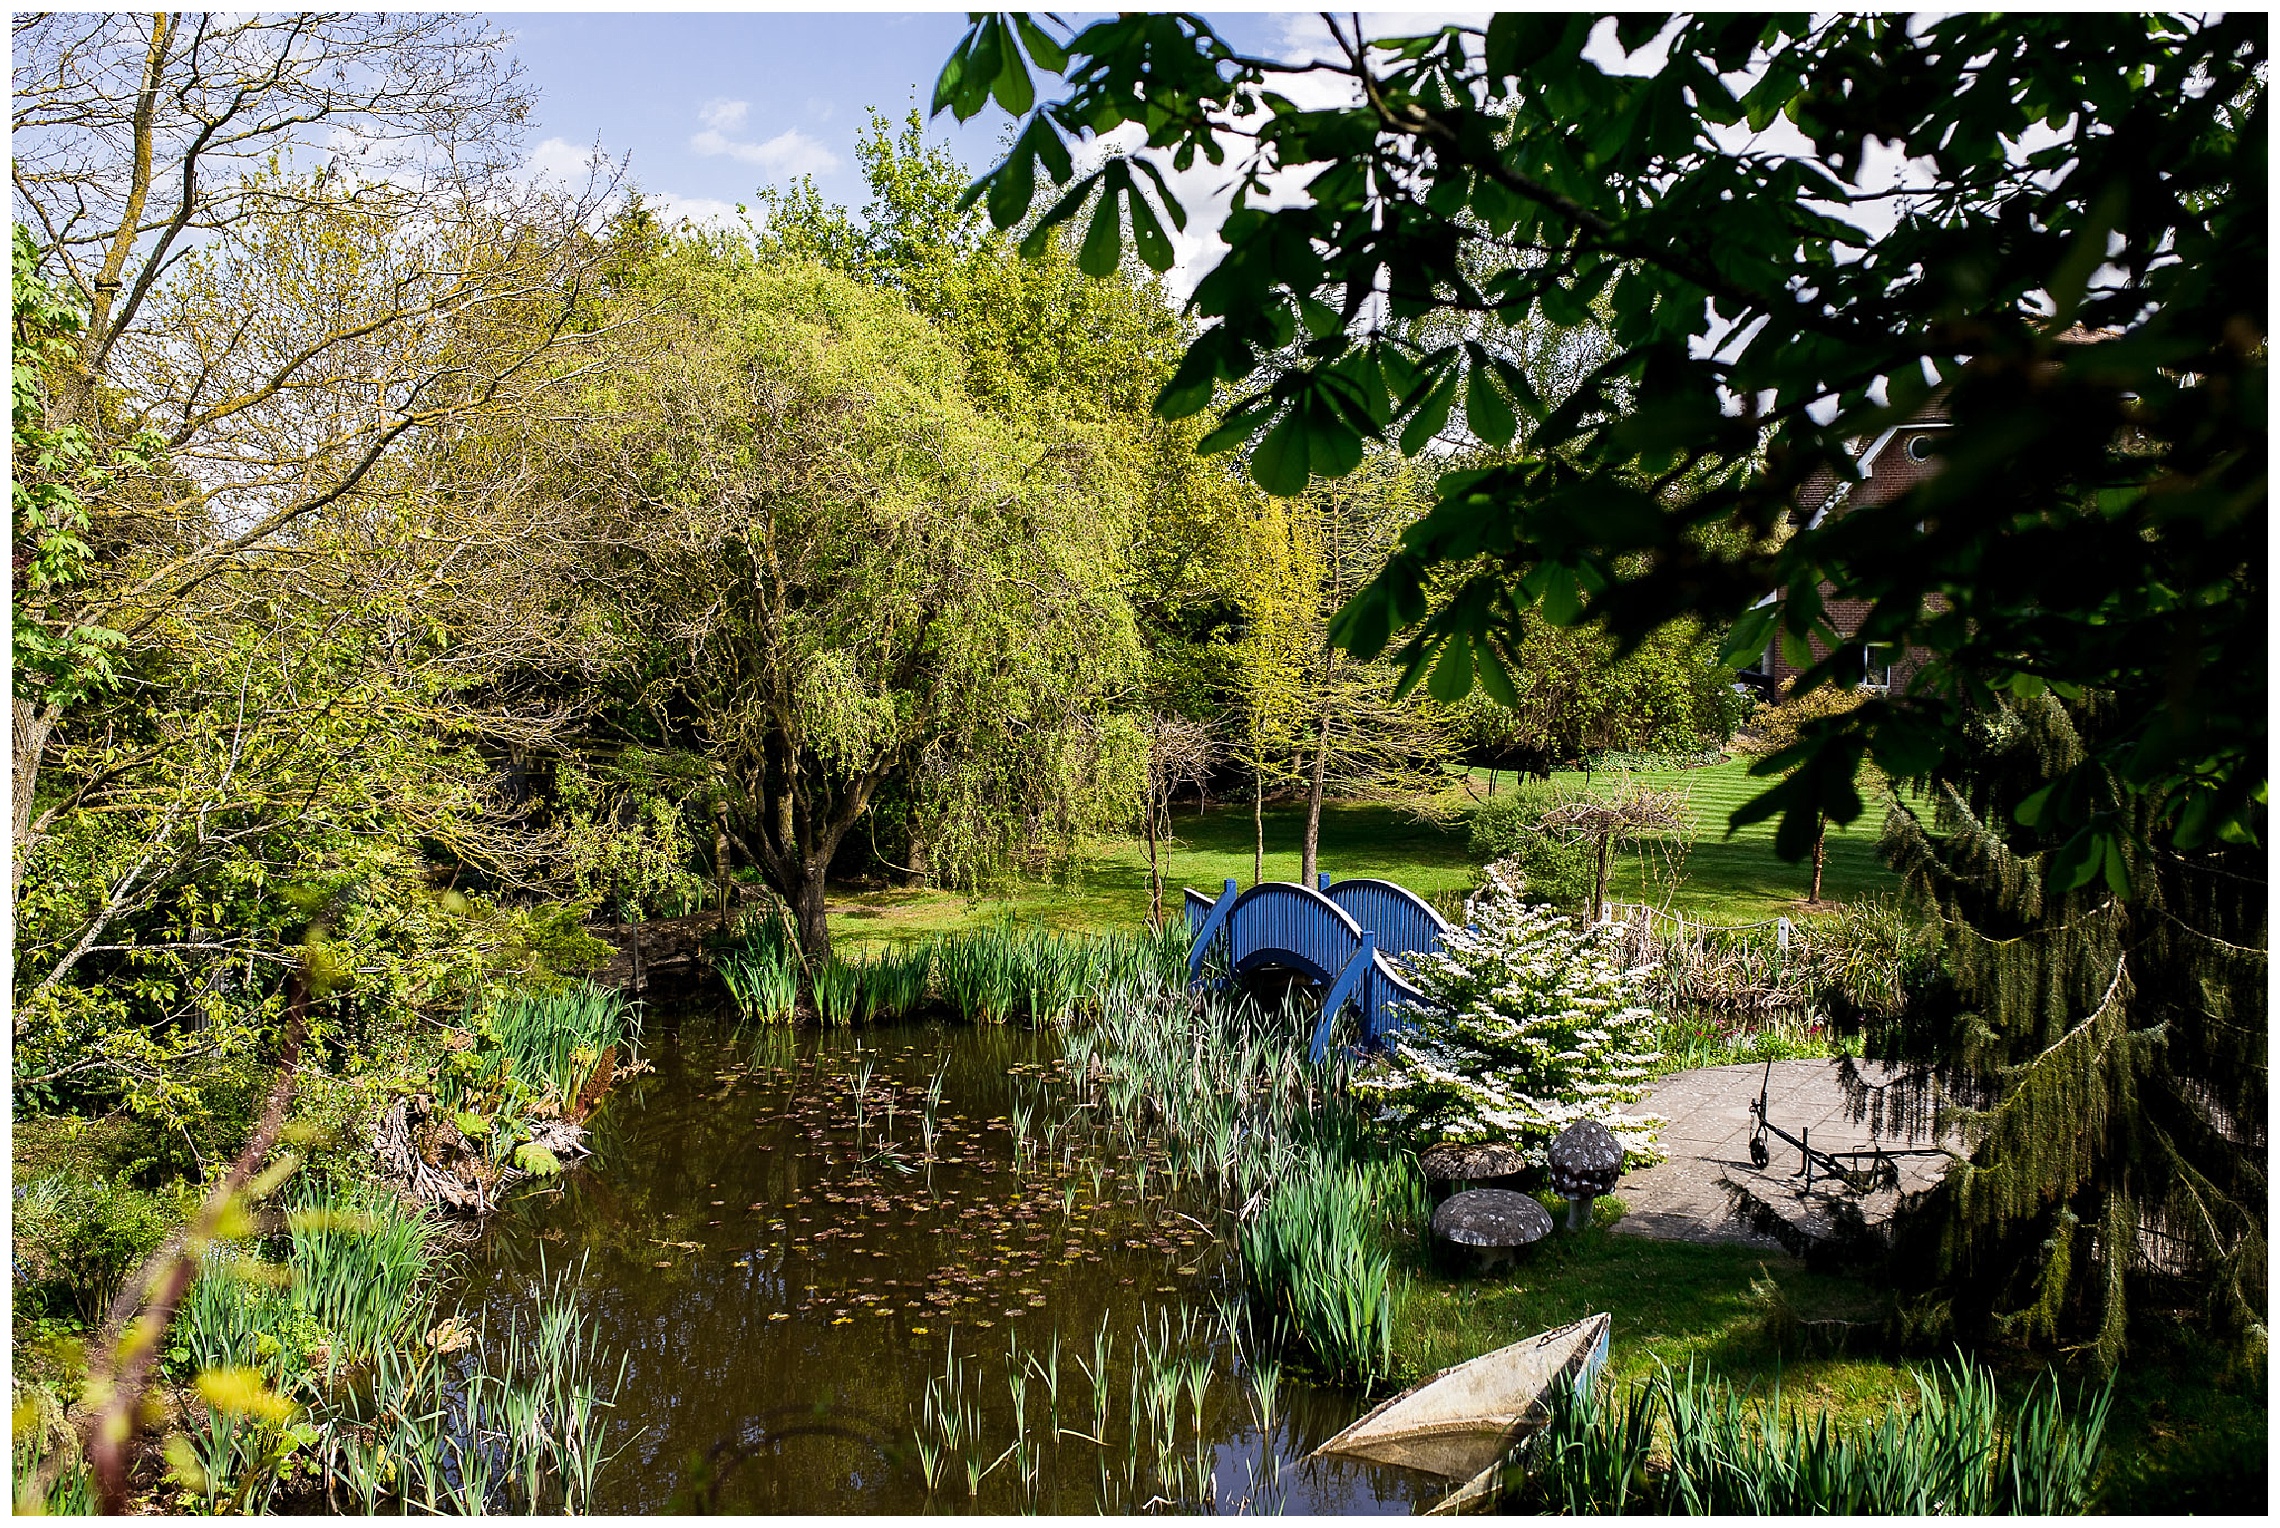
x,y
1487,415
1560,603
1048,53
1148,234
1012,187
1431,416
1104,238
1494,677
1279,465
1012,87
1453,676
1745,644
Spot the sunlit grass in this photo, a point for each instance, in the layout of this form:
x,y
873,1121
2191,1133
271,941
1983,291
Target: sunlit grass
x,y
1737,880
1671,1303
1110,889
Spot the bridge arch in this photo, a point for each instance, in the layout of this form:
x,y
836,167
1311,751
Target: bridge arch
x,y
1405,923
1331,933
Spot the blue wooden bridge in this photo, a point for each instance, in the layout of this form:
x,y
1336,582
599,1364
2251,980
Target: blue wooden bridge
x,y
1341,935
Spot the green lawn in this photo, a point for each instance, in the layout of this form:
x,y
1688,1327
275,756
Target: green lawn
x,y
1111,885
1672,1303
1733,880
1738,879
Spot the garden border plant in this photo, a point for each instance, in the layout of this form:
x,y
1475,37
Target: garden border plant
x,y
1528,1023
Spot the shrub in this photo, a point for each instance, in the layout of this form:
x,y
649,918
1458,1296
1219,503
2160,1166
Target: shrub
x,y
1554,867
76,1239
1530,1023
554,937
1622,761
1772,727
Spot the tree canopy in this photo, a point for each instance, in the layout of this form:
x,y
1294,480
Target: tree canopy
x,y
1798,234
823,567
1803,232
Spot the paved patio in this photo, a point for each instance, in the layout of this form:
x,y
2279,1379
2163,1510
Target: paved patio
x,y
1708,1137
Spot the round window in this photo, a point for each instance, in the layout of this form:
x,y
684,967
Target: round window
x,y
1919,448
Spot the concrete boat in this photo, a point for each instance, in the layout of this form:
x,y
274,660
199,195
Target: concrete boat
x,y
1460,1423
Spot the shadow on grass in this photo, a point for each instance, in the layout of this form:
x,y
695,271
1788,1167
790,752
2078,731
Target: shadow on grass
x,y
2188,1432
1671,1303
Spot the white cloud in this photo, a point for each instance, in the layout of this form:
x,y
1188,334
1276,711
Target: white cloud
x,y
789,153
561,160
723,116
704,211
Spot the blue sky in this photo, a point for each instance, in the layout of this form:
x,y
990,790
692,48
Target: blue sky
x,y
706,107
711,105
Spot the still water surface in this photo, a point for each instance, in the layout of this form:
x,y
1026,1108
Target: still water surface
x,y
767,1239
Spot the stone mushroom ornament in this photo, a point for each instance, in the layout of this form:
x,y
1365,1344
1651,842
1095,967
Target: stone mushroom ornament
x,y
1490,1225
1485,1164
1585,1161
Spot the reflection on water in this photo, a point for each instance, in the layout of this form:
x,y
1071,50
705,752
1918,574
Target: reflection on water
x,y
788,1242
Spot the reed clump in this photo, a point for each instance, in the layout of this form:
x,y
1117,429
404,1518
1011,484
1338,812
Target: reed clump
x,y
555,1041
329,1375
1866,957
1315,1255
1228,1088
1696,1446
984,976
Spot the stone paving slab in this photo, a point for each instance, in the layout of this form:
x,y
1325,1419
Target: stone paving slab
x,y
1708,1137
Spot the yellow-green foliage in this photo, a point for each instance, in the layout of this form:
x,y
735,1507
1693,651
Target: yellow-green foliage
x,y
1772,727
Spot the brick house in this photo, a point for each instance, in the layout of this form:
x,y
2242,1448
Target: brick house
x,y
1889,464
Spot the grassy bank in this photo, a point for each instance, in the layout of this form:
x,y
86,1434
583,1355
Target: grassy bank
x,y
1736,879
1740,879
2187,1433
1671,1303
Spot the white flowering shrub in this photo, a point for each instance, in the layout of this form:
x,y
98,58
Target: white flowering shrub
x,y
1530,1023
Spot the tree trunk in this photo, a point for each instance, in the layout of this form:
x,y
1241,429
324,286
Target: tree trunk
x,y
1155,869
1492,782
1313,842
1258,826
1599,883
807,910
720,859
30,728
918,871
1820,851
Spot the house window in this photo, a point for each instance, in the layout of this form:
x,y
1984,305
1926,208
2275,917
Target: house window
x,y
1876,670
1919,448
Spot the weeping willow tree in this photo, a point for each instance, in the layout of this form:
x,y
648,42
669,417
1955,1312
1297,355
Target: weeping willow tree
x,y
2101,1051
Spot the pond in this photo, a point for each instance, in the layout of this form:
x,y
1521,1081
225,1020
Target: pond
x,y
827,1288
